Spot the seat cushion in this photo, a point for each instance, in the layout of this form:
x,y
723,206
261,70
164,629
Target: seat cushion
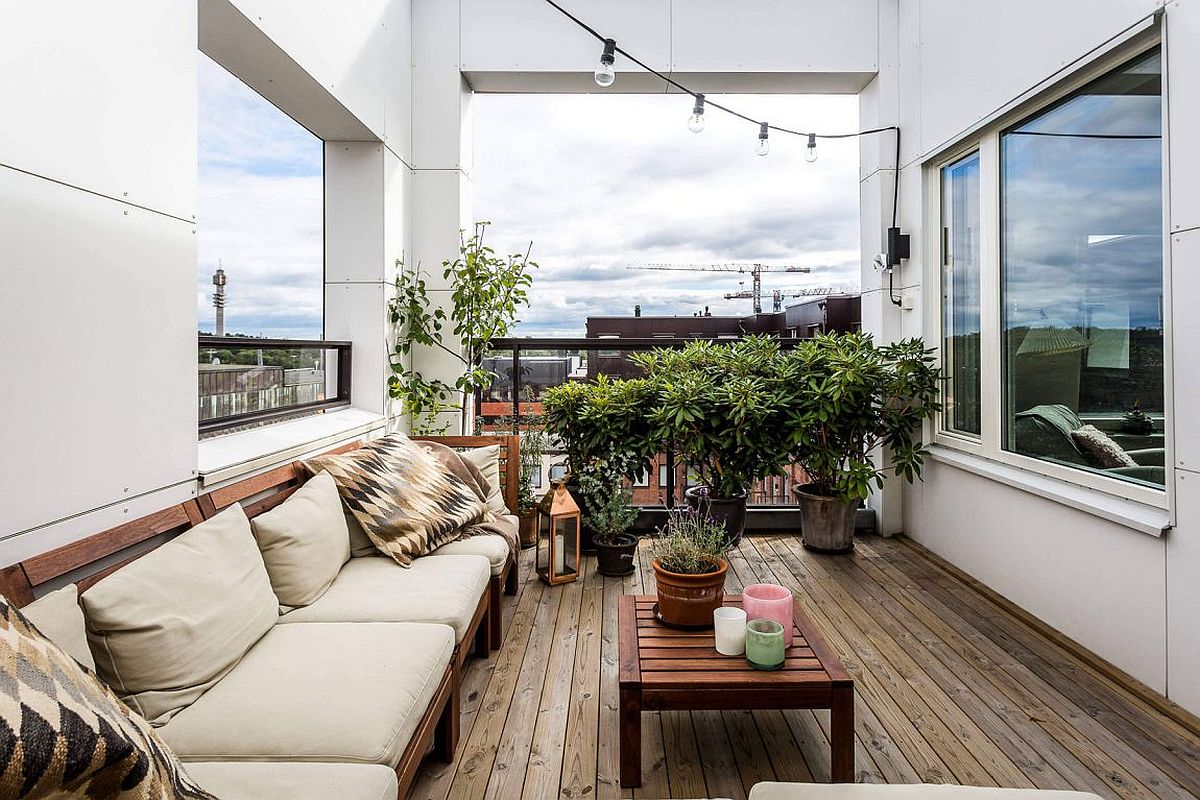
x,y
167,626
281,780
407,503
304,541
487,459
65,734
494,548
352,692
60,619
917,791
433,589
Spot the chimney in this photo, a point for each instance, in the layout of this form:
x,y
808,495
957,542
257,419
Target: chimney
x,y
637,311
218,299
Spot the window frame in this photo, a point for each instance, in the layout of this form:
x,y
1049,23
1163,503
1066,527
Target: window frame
x,y
986,141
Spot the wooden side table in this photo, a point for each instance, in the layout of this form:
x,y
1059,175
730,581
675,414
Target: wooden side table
x,y
664,669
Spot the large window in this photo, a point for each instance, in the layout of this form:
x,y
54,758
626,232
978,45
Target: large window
x,y
960,294
1050,226
1082,278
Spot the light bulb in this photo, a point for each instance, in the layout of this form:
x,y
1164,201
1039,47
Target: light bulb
x,y
763,146
605,74
696,121
811,154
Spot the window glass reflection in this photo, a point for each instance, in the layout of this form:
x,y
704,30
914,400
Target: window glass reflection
x,y
1081,278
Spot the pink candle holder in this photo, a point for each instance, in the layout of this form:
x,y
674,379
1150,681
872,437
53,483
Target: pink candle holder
x,y
769,601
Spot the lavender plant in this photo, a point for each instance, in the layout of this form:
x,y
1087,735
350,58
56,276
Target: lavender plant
x,y
690,543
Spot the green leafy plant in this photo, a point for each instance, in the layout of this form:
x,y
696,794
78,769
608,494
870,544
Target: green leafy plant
x,y
726,409
609,501
602,423
853,397
533,447
487,292
1136,421
690,543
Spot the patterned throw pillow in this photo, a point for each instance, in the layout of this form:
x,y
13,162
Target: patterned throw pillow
x,y
1101,447
407,503
63,732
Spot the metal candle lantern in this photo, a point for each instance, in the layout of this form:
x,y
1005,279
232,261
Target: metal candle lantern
x,y
558,536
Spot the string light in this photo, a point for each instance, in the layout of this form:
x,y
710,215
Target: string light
x,y
605,74
696,121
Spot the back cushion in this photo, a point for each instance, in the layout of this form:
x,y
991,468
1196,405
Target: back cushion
x,y
487,459
65,734
168,626
304,541
60,619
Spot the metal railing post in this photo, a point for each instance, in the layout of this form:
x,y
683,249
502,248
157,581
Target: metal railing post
x,y
516,388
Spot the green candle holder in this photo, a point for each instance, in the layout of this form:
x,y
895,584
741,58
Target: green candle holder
x,y
764,644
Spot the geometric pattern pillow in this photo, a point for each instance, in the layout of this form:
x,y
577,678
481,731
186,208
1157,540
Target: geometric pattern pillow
x,y
63,732
406,501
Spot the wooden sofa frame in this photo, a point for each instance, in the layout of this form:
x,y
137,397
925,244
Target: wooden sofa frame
x,y
87,561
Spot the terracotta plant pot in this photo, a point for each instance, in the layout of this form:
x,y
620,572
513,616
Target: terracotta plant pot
x,y
689,600
826,523
729,511
615,554
527,528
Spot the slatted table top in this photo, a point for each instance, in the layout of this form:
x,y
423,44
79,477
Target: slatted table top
x,y
653,655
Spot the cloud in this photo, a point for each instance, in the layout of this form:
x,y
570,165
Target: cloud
x,y
601,182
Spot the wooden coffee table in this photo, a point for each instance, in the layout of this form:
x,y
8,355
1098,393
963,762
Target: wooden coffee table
x,y
664,669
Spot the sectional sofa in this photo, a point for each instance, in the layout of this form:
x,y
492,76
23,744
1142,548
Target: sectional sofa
x,y
276,658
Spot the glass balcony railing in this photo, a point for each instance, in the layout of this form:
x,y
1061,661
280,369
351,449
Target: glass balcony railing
x,y
526,368
244,381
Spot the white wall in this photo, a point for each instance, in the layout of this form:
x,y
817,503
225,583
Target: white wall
x,y
97,231
946,68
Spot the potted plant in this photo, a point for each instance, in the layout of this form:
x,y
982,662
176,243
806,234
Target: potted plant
x,y
854,399
726,409
1137,422
600,423
689,568
533,446
610,519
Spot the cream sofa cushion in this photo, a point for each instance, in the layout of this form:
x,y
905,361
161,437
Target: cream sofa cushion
x,y
60,619
304,541
492,547
323,692
166,627
360,544
916,791
439,590
280,780
487,460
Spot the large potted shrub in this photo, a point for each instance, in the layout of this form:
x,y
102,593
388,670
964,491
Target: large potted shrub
x,y
600,423
859,409
610,519
726,409
689,568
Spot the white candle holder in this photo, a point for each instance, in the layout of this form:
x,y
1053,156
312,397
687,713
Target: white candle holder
x,y
729,629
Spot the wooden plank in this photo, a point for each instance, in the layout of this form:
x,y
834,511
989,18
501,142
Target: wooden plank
x,y
581,752
478,754
608,765
684,774
543,773
654,763
721,775
513,749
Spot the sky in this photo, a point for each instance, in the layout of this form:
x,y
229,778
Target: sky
x,y
597,182
600,182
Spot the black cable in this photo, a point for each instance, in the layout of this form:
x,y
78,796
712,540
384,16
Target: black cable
x,y
708,102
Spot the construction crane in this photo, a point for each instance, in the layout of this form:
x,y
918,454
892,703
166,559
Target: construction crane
x,y
754,270
777,295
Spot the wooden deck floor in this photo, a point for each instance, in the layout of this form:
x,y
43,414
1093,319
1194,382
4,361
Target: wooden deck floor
x,y
950,687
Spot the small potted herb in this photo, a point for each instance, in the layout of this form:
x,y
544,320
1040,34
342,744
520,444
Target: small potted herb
x,y
611,517
1137,422
533,446
689,568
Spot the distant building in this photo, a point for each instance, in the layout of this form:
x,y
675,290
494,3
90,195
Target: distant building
x,y
817,314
